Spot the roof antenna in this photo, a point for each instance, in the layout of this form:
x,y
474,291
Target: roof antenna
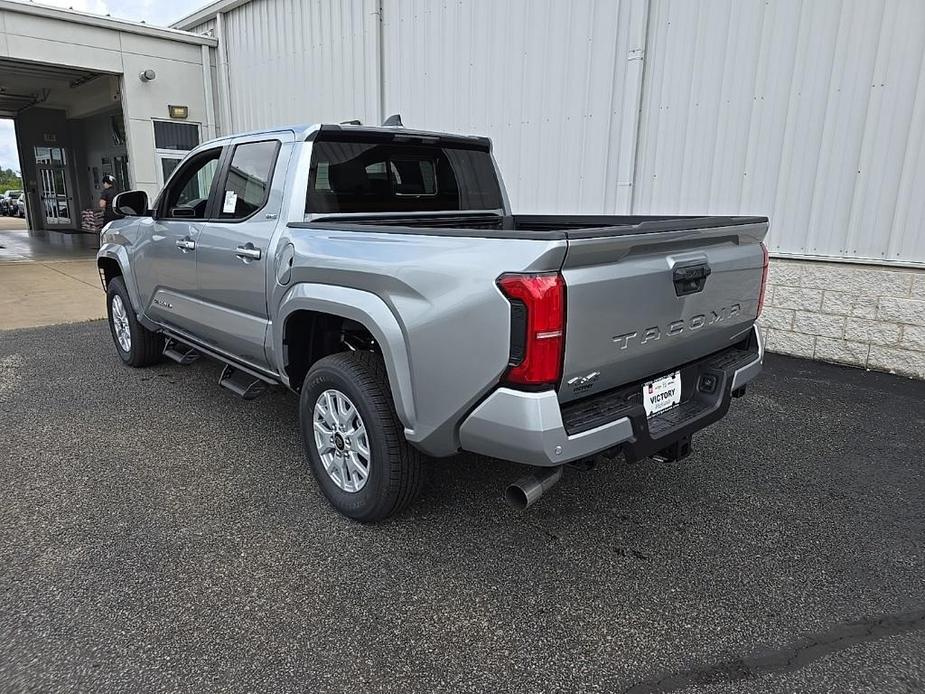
x,y
393,121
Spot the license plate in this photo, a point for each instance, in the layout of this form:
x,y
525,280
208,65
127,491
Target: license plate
x,y
662,393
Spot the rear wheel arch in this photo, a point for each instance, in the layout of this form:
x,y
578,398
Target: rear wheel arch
x,y
309,336
362,315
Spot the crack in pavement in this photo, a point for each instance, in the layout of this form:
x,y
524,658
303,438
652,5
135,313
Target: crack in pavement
x,y
789,658
76,279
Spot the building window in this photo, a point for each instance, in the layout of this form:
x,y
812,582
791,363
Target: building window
x,y
172,142
175,136
54,156
168,164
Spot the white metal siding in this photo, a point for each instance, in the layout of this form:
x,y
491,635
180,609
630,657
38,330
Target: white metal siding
x,y
810,112
301,61
546,80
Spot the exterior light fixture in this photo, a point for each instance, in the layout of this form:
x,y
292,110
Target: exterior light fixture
x,y
147,75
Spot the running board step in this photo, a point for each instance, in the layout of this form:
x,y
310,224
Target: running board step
x,y
180,353
242,383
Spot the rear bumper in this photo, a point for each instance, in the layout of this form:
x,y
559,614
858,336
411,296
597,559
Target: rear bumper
x,y
532,428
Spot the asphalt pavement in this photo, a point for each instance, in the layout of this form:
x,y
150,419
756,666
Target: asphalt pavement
x,y
158,534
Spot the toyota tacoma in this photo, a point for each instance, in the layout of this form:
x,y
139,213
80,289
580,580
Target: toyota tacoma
x,y
379,273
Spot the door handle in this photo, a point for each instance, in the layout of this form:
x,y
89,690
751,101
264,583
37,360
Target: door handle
x,y
690,279
186,245
247,253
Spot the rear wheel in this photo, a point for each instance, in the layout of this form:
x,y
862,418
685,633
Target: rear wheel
x,y
137,346
353,439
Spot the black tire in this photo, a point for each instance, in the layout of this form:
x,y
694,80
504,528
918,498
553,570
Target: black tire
x,y
395,471
146,347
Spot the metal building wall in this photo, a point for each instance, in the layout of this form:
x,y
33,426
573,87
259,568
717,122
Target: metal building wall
x,y
553,83
301,61
810,112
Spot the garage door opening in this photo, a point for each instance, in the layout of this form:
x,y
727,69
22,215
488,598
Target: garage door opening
x,y
70,134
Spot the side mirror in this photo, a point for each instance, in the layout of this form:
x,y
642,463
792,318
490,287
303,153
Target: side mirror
x,y
131,203
183,212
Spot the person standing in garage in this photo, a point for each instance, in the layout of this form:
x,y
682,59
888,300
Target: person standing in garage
x,y
107,197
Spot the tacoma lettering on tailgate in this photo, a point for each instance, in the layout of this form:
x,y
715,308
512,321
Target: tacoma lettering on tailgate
x,y
679,326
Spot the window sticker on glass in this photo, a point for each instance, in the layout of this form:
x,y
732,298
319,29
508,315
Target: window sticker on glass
x,y
231,202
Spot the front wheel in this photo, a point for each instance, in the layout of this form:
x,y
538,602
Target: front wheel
x,y
353,439
136,345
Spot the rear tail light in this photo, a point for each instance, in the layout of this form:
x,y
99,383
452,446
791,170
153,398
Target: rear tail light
x,y
537,328
764,278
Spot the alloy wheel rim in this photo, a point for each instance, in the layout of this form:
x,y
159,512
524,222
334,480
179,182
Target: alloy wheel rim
x,y
120,323
341,440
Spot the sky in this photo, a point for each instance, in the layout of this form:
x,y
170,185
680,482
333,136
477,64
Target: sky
x,y
159,12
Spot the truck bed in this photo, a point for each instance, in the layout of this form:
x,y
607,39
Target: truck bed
x,y
628,313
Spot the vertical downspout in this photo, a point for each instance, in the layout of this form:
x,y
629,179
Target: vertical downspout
x,y
223,81
210,129
380,59
637,57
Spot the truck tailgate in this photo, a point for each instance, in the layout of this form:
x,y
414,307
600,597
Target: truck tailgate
x,y
642,304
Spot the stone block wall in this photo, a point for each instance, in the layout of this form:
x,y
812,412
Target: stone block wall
x,y
862,315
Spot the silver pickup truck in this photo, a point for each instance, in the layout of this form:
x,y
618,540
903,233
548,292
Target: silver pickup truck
x,y
379,273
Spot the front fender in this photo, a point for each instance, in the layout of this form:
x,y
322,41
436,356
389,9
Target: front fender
x,y
367,309
117,252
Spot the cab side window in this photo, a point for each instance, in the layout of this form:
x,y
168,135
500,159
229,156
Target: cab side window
x,y
247,185
187,195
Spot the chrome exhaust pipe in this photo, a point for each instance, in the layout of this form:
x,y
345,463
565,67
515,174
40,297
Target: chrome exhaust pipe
x,y
527,490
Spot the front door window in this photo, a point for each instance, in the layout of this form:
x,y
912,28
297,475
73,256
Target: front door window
x,y
187,196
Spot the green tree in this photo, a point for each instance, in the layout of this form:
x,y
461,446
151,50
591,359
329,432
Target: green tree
x,y
10,180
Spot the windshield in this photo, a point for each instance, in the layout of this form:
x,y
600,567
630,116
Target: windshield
x,y
348,177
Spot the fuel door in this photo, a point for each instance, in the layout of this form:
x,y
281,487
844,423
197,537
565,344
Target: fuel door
x,y
284,265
